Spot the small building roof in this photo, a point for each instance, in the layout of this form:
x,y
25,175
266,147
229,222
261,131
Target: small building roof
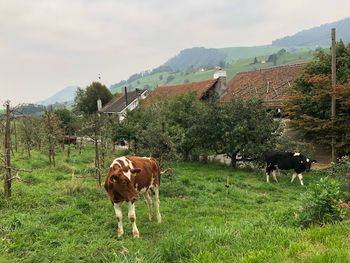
x,y
169,92
118,103
270,84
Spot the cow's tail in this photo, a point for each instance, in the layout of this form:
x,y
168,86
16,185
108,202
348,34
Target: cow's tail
x,y
158,170
167,172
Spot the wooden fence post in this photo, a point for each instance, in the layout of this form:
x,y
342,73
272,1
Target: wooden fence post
x,y
7,153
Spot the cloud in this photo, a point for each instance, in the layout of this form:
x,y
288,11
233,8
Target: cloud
x,y
48,45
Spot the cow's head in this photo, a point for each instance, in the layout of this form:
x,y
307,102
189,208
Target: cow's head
x,y
122,182
308,163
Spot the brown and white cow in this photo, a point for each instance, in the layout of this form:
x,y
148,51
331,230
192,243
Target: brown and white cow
x,y
128,176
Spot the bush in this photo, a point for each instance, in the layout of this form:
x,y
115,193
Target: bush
x,y
341,171
170,78
322,204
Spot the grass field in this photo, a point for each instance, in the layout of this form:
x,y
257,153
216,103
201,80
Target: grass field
x,y
46,222
240,61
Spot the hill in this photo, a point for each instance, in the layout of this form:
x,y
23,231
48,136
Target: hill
x,y
62,97
242,62
196,57
320,35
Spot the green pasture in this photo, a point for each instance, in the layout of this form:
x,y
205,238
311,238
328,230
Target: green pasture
x,y
242,64
52,218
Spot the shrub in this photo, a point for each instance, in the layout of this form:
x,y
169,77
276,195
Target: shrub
x,y
341,171
322,204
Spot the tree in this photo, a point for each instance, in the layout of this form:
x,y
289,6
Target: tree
x,y
53,132
68,121
26,134
281,52
222,64
86,100
184,123
167,129
273,58
309,105
241,128
169,78
99,128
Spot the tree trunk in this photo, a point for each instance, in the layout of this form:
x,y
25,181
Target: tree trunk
x,y
7,153
97,162
15,133
233,157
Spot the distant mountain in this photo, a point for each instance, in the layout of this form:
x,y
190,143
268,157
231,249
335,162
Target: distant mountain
x,y
320,35
65,95
196,57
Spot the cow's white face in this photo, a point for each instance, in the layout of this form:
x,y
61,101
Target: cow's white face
x,y
122,183
308,163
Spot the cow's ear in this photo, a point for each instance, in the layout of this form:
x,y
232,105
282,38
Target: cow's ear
x,y
114,178
135,170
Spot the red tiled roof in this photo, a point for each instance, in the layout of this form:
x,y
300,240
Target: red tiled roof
x,y
270,84
169,92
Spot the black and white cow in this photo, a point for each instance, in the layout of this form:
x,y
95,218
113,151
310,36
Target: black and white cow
x,y
287,161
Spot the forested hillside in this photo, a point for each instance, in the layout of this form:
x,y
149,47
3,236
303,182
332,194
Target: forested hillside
x,y
320,35
197,57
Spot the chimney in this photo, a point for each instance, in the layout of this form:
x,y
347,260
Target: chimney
x,y
221,84
126,96
99,104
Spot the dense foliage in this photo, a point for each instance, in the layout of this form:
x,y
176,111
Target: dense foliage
x,y
309,105
86,99
241,128
322,203
68,121
187,128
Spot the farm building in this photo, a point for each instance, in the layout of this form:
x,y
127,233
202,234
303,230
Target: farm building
x,y
122,103
270,84
203,89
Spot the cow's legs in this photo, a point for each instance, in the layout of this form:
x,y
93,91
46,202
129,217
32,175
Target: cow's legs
x,y
268,171
156,201
293,177
119,216
274,175
149,205
132,218
300,176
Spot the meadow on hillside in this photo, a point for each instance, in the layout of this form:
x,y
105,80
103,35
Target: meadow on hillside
x,y
52,218
236,64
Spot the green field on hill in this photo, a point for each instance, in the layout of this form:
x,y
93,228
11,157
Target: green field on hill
x,y
52,218
301,55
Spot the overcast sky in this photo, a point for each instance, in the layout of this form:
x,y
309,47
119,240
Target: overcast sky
x,y
46,45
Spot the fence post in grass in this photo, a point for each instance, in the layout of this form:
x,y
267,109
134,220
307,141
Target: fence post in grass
x,y
227,185
7,153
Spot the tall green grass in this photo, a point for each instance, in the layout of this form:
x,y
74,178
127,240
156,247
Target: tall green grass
x,y
47,222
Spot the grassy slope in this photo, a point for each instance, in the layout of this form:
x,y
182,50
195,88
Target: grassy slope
x,y
248,52
44,222
241,65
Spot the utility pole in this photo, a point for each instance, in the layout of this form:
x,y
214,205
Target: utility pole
x,y
7,153
334,77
